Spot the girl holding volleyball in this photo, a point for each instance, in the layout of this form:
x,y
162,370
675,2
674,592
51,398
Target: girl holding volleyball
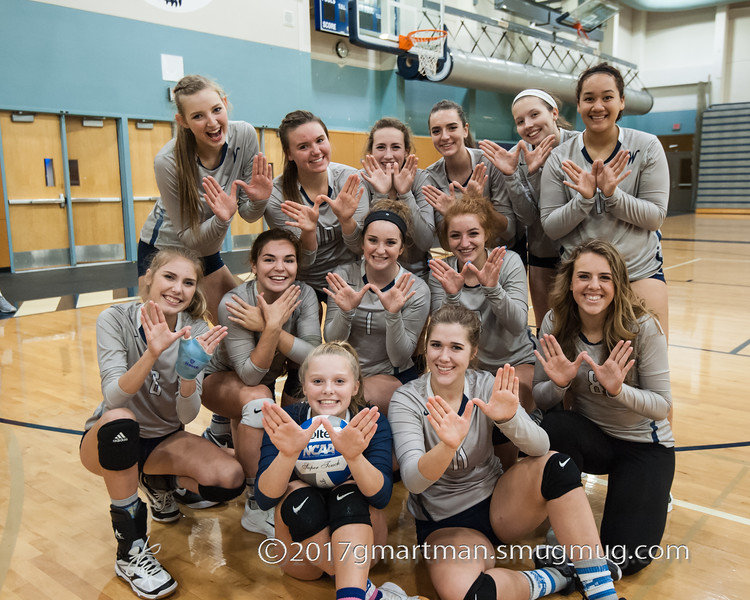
x,y
334,504
151,357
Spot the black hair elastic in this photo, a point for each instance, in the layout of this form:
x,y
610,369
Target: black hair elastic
x,y
386,215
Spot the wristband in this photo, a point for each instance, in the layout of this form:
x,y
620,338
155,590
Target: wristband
x,y
191,358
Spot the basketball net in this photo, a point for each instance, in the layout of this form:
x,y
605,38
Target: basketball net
x,y
428,45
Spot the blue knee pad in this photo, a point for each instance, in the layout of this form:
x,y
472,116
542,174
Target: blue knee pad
x,y
304,513
560,476
118,444
347,505
220,494
483,588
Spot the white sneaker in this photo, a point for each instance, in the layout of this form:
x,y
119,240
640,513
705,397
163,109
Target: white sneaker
x,y
669,504
256,520
163,506
391,591
144,573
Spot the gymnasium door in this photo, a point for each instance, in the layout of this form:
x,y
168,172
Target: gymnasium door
x,y
63,186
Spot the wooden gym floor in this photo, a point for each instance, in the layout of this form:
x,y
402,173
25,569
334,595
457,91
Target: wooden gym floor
x,y
56,539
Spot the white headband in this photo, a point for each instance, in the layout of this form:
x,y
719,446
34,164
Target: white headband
x,y
538,94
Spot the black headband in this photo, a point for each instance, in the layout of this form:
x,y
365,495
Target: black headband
x,y
386,215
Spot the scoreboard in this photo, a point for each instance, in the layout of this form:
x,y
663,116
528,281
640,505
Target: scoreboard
x,y
332,16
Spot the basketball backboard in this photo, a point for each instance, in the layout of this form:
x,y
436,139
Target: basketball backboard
x,y
377,24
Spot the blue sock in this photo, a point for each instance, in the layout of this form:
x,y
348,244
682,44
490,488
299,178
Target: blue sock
x,y
596,579
545,581
372,592
350,593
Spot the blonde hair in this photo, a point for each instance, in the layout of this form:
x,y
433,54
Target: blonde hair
x,y
185,150
198,305
348,353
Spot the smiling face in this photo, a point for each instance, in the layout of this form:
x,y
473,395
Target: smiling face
x,y
329,385
534,119
447,132
448,354
592,285
382,245
276,267
309,148
466,239
172,286
388,147
205,114
600,103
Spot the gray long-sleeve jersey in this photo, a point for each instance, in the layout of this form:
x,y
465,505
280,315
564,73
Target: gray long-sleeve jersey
x,y
385,341
120,343
234,351
524,191
472,475
422,231
639,412
495,190
164,226
334,248
503,312
629,219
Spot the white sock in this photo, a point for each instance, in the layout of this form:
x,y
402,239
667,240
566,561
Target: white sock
x,y
545,581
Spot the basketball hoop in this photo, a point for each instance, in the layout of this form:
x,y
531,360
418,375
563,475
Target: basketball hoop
x,y
428,45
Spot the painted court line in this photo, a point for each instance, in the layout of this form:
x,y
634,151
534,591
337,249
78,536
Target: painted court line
x,y
689,505
682,264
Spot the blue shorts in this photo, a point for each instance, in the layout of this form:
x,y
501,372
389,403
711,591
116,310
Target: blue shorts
x,y
476,517
211,263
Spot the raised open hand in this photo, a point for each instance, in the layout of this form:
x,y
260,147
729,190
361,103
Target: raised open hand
x,y
303,216
614,370
557,366
450,428
451,280
396,297
211,338
609,176
353,440
158,335
536,157
279,312
489,275
380,179
222,204
342,293
503,402
505,161
582,181
261,180
345,204
245,315
403,177
288,437
440,201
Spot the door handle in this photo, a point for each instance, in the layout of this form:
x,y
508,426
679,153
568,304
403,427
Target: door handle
x,y
63,200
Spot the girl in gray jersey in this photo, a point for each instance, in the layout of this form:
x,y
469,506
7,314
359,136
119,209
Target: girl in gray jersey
x,y
539,123
490,282
209,158
321,201
462,500
610,355
151,383
390,171
272,325
379,307
617,188
463,167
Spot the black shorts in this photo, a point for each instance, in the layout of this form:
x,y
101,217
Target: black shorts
x,y
146,252
520,248
145,446
476,517
544,262
406,376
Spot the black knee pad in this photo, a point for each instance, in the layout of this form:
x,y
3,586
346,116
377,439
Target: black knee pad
x,y
304,513
346,505
560,476
483,588
118,444
220,494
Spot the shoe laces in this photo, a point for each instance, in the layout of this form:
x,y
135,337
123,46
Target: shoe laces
x,y
144,559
